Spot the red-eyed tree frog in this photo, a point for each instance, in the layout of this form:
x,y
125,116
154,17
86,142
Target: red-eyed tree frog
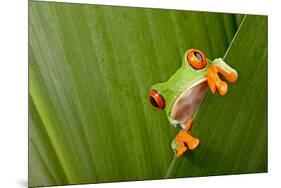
x,y
184,91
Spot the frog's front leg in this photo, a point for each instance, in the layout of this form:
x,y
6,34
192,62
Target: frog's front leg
x,y
184,141
213,79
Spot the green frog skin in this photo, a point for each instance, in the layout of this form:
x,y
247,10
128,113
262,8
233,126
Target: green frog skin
x,y
181,95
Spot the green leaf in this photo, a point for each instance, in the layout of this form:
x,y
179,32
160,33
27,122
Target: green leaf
x,y
233,129
90,71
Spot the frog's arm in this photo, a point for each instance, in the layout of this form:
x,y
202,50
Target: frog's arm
x,y
226,70
219,66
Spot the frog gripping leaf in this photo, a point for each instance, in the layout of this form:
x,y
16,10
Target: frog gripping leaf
x,y
181,95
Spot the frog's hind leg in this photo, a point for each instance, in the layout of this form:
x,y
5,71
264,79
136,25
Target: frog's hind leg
x,y
188,125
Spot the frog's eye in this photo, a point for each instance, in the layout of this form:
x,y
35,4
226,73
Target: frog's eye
x,y
156,99
196,59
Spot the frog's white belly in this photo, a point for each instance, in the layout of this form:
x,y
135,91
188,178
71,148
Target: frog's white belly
x,y
187,103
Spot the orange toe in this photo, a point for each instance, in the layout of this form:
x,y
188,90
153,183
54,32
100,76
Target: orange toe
x,y
181,150
222,87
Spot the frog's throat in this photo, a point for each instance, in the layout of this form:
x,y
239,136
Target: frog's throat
x,y
188,102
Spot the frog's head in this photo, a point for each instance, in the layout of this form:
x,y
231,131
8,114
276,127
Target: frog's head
x,y
182,94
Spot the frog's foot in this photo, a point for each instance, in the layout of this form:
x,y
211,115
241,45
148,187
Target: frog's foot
x,y
214,80
184,142
181,149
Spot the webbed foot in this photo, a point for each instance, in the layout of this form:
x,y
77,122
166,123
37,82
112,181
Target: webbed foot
x,y
214,80
184,142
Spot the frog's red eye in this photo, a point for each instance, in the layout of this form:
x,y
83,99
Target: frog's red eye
x,y
156,99
196,59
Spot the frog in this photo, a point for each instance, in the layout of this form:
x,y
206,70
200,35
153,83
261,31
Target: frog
x,y
182,94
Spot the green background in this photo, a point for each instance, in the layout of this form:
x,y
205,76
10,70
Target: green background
x,y
90,69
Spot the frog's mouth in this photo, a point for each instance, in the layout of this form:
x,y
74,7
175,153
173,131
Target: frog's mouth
x,y
187,104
